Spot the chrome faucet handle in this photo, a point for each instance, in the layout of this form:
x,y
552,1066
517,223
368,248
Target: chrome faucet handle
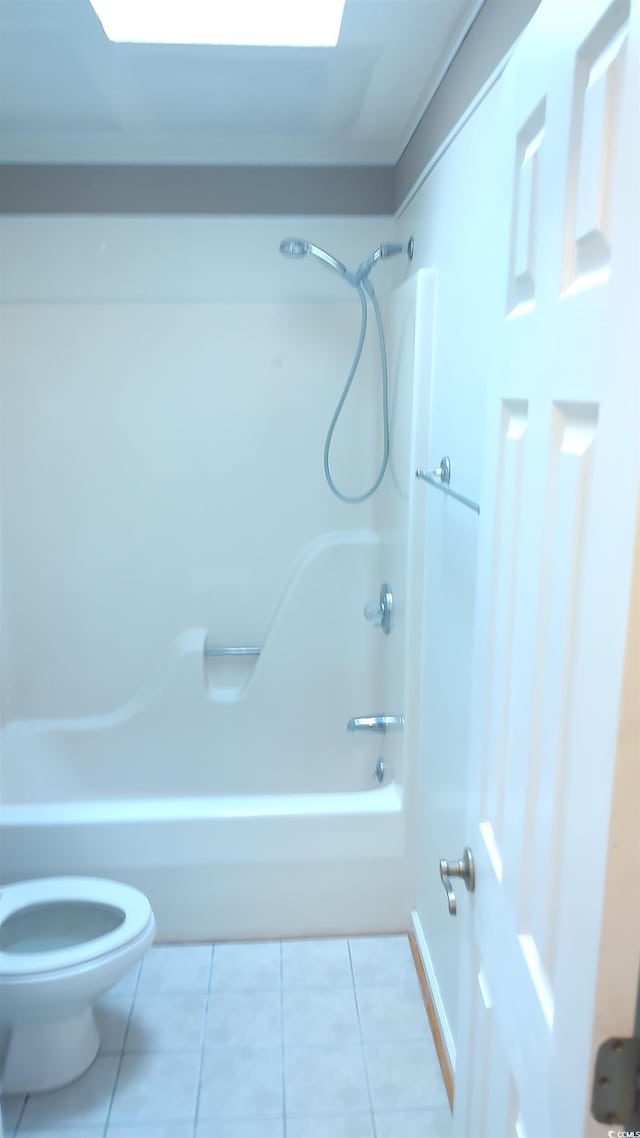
x,y
373,613
380,611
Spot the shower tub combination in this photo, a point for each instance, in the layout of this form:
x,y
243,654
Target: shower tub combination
x,y
228,788
309,843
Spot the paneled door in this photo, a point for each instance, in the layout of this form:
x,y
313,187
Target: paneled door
x,y
557,534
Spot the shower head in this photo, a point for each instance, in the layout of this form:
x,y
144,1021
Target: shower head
x,y
294,247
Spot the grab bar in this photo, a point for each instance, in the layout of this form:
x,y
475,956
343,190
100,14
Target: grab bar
x,y
232,651
447,490
443,474
378,723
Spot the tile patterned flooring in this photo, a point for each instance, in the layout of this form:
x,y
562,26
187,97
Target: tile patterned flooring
x,y
299,1039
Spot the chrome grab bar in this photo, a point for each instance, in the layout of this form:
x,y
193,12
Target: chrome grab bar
x,y
239,651
379,723
443,473
447,490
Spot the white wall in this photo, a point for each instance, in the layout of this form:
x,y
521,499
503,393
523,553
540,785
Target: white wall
x,y
458,235
167,385
409,316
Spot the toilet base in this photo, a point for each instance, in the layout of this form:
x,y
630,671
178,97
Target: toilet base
x,y
44,1056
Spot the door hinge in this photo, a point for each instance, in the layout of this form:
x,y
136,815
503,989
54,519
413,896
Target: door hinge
x,y
616,1083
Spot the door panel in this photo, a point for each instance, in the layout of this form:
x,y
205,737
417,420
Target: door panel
x,y
557,533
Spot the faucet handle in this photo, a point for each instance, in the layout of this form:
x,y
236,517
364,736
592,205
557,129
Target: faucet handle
x,y
373,613
379,612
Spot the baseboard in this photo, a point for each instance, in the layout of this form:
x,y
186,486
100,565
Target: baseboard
x,y
440,1029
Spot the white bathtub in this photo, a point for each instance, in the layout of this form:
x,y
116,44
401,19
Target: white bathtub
x,y
230,867
237,800
273,723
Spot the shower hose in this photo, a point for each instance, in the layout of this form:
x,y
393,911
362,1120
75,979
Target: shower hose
x,y
364,288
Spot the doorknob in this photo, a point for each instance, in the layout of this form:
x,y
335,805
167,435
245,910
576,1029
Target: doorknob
x,y
465,869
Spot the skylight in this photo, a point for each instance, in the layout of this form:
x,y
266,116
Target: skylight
x,y
256,23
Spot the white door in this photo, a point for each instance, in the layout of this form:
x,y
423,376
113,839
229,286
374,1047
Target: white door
x,y
557,531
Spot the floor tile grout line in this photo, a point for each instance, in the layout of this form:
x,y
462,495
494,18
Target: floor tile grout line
x,y
122,1052
202,1048
364,1057
16,1126
136,990
284,1082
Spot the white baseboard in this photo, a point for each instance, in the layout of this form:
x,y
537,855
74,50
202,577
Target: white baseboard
x,y
425,956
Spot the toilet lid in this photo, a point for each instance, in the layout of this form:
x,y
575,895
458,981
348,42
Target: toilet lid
x,y
129,909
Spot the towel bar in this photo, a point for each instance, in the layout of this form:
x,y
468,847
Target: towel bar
x,y
232,651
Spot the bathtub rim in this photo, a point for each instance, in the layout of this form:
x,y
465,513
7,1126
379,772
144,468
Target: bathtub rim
x,y
378,800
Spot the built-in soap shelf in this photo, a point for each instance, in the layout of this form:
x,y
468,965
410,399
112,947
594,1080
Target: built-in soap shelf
x,y
228,669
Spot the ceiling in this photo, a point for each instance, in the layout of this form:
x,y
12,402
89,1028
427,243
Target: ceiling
x,y
67,94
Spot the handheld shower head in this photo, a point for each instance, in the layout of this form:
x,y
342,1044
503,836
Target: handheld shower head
x,y
294,247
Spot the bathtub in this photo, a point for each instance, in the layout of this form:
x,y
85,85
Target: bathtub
x,y
273,722
230,792
230,867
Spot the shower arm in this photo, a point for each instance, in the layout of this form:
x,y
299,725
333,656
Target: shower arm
x,y
384,250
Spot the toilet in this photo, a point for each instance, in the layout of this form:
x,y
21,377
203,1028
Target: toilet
x,y
64,941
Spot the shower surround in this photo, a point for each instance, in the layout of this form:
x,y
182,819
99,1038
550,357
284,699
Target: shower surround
x,y
164,500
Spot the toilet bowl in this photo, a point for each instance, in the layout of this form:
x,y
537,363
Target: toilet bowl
x,y
64,941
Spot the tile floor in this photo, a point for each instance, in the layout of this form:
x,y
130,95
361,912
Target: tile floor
x,y
299,1039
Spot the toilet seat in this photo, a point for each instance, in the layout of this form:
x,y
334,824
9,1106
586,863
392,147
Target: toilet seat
x,y
24,965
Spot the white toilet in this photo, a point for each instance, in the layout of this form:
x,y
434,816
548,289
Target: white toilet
x,y
64,941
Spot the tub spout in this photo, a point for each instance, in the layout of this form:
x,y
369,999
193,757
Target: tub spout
x,y
380,723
